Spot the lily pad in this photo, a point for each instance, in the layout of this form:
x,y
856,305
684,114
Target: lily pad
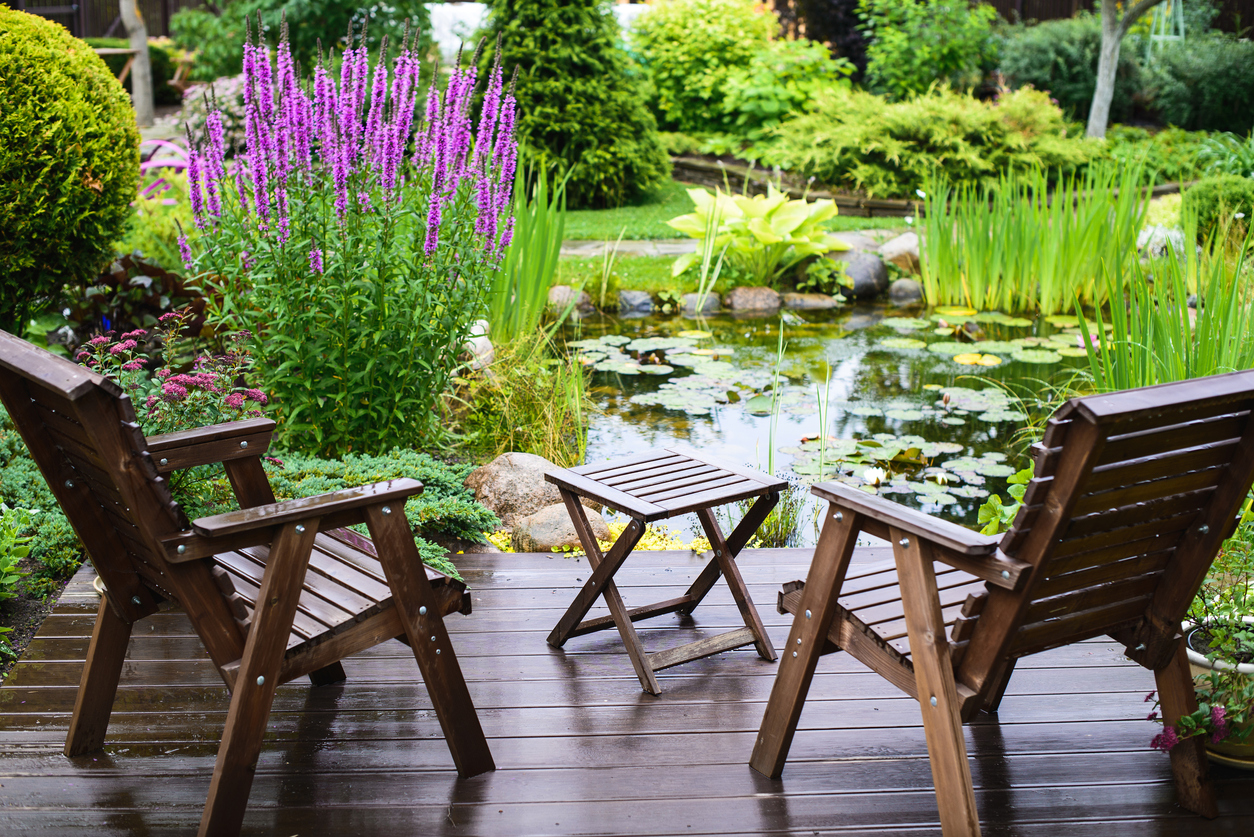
x,y
904,323
1071,351
953,421
954,311
655,344
657,369
759,405
932,387
977,359
904,415
902,343
949,347
1036,356
714,367
1063,320
1002,415
864,410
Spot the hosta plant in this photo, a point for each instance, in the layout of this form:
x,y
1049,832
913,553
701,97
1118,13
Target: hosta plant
x,y
761,235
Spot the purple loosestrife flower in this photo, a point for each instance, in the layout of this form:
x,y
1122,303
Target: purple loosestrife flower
x,y
378,102
185,253
315,260
433,225
194,187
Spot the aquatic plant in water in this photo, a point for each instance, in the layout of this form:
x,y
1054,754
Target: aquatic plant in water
x,y
356,239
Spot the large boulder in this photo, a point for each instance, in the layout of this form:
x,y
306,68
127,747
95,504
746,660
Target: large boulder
x,y
809,302
905,292
550,529
513,486
902,251
752,299
635,302
870,277
560,297
710,306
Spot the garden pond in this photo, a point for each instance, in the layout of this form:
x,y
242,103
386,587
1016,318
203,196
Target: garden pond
x,y
926,409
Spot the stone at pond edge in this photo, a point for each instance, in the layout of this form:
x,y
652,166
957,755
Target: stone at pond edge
x,y
809,302
561,295
513,486
711,306
635,302
858,241
752,299
902,251
550,529
870,277
905,292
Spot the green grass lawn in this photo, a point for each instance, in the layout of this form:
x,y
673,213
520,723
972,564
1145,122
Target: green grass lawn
x,y
648,220
630,273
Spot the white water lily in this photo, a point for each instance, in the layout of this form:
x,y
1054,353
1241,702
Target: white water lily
x,y
874,476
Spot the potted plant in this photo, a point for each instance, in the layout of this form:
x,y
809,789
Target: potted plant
x,y
1219,639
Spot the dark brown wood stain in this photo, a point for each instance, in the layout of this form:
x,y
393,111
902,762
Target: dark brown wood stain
x,y
579,748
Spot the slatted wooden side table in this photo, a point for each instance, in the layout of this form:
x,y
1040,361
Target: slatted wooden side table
x,y
655,486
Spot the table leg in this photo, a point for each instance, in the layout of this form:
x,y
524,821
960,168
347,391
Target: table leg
x,y
740,536
727,563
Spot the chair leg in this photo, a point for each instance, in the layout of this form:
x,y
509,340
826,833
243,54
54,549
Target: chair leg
x,y
1176,698
327,675
99,684
428,638
808,636
938,695
736,583
1003,681
257,679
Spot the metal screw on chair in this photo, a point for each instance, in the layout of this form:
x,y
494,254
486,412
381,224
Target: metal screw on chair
x,y
135,600
386,509
244,444
1140,647
1005,573
165,462
261,681
807,614
718,553
933,701
798,640
1203,529
437,650
433,639
794,653
181,549
904,541
69,483
839,517
300,528
422,611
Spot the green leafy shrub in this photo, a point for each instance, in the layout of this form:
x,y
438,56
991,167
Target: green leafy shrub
x,y
217,37
1206,84
69,162
1060,57
690,48
53,544
13,546
162,60
916,43
857,141
160,216
783,77
1216,200
1227,154
579,104
761,235
1172,153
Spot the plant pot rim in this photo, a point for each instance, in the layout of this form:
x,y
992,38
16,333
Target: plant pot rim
x,y
1201,661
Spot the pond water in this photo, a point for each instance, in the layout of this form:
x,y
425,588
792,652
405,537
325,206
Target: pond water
x,y
923,408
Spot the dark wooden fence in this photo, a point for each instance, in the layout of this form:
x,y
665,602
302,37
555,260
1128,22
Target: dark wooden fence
x,y
96,18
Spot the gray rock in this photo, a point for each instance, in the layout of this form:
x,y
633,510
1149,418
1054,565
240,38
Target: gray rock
x,y
711,306
481,352
870,277
513,486
1153,242
858,241
753,299
561,295
635,302
809,302
905,292
550,529
902,251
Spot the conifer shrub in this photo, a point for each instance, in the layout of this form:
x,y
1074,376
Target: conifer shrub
x,y
857,141
580,101
69,164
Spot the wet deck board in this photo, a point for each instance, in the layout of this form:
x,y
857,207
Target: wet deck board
x,y
580,749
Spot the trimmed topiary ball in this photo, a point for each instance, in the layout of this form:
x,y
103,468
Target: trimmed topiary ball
x,y
1218,199
69,164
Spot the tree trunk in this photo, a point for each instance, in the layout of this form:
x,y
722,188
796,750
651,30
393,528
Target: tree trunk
x,y
1113,30
141,70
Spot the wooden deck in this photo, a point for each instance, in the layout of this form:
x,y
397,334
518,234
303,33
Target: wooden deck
x,y
579,748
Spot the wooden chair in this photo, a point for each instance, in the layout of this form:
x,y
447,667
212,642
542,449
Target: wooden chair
x,y
1133,495
655,486
275,592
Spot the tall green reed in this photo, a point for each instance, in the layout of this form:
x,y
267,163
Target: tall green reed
x,y
1155,338
1018,246
520,290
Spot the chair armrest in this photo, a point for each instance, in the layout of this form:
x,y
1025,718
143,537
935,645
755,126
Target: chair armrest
x,y
212,444
332,504
955,545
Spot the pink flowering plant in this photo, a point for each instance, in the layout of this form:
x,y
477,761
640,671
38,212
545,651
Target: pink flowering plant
x,y
356,238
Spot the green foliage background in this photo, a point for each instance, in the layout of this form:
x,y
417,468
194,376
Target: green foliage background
x,y
580,101
1207,84
1217,199
914,44
69,163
